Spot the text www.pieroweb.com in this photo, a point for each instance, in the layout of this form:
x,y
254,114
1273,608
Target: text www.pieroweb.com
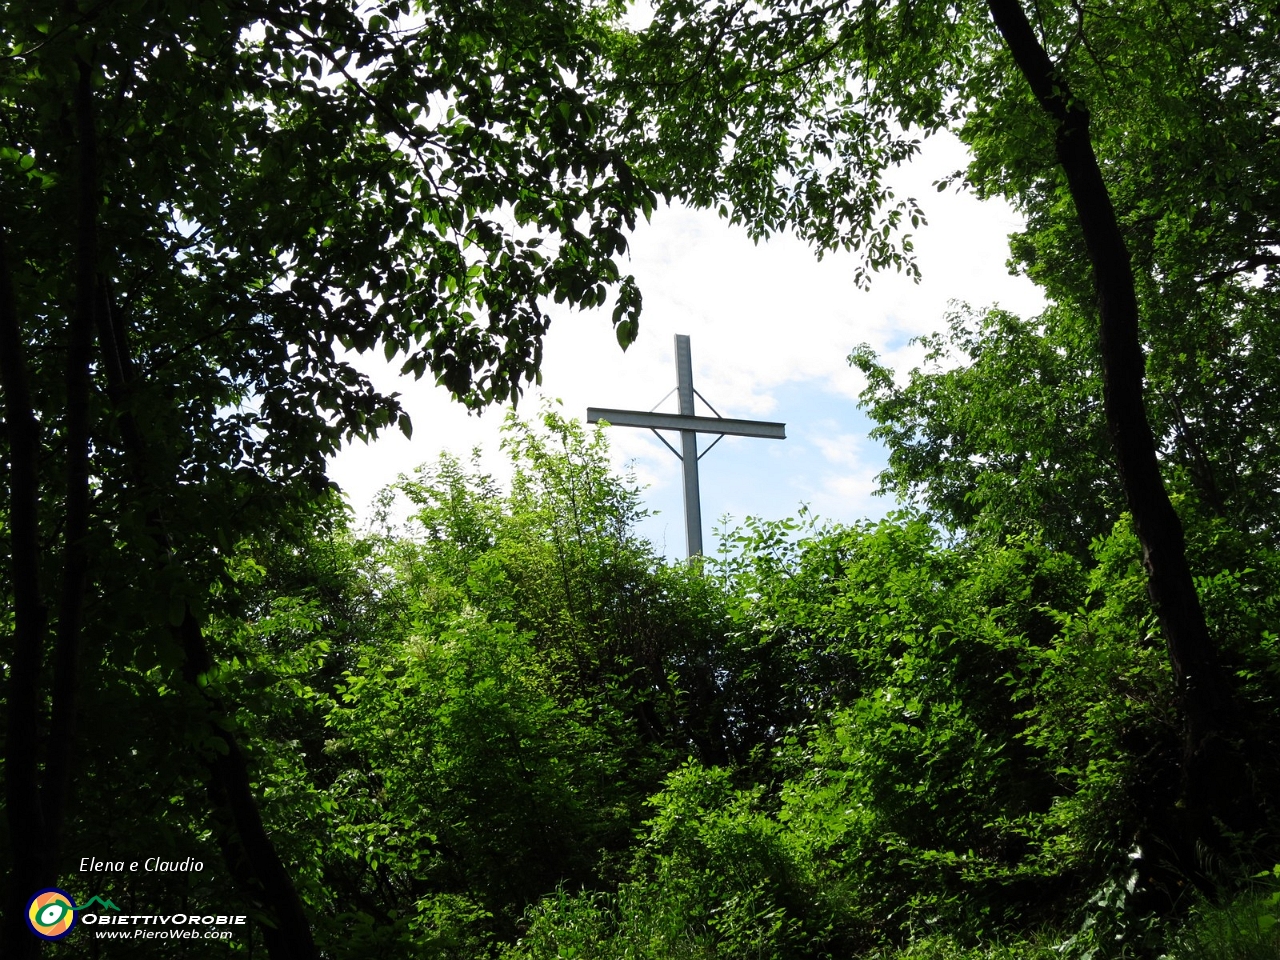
x,y
178,926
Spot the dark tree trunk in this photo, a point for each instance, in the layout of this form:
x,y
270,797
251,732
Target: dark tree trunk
x,y
37,811
253,860
75,566
247,848
1212,772
35,805
22,687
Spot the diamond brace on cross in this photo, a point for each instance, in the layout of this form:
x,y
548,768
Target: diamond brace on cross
x,y
689,425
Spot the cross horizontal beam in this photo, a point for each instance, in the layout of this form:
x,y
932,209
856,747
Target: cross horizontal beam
x,y
676,421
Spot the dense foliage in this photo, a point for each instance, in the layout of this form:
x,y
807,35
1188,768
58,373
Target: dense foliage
x,y
205,210
505,728
1034,711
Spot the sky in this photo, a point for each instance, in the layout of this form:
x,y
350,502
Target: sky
x,y
770,329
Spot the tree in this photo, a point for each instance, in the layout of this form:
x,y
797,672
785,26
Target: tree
x,y
1010,443
206,209
980,738
1014,438
205,206
459,715
1211,782
1184,145
806,104
507,727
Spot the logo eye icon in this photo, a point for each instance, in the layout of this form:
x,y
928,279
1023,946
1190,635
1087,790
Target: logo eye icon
x,y
51,914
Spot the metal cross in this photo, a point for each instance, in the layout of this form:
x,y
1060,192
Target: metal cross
x,y
689,426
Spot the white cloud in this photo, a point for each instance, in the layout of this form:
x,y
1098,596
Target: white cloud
x,y
842,449
770,329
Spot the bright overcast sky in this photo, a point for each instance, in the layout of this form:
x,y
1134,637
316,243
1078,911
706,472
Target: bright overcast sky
x,y
770,329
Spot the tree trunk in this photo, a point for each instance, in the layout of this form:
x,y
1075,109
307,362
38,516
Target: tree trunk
x,y
75,565
37,810
1212,770
246,846
21,756
36,805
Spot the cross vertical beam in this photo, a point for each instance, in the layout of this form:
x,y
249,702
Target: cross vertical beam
x,y
688,449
